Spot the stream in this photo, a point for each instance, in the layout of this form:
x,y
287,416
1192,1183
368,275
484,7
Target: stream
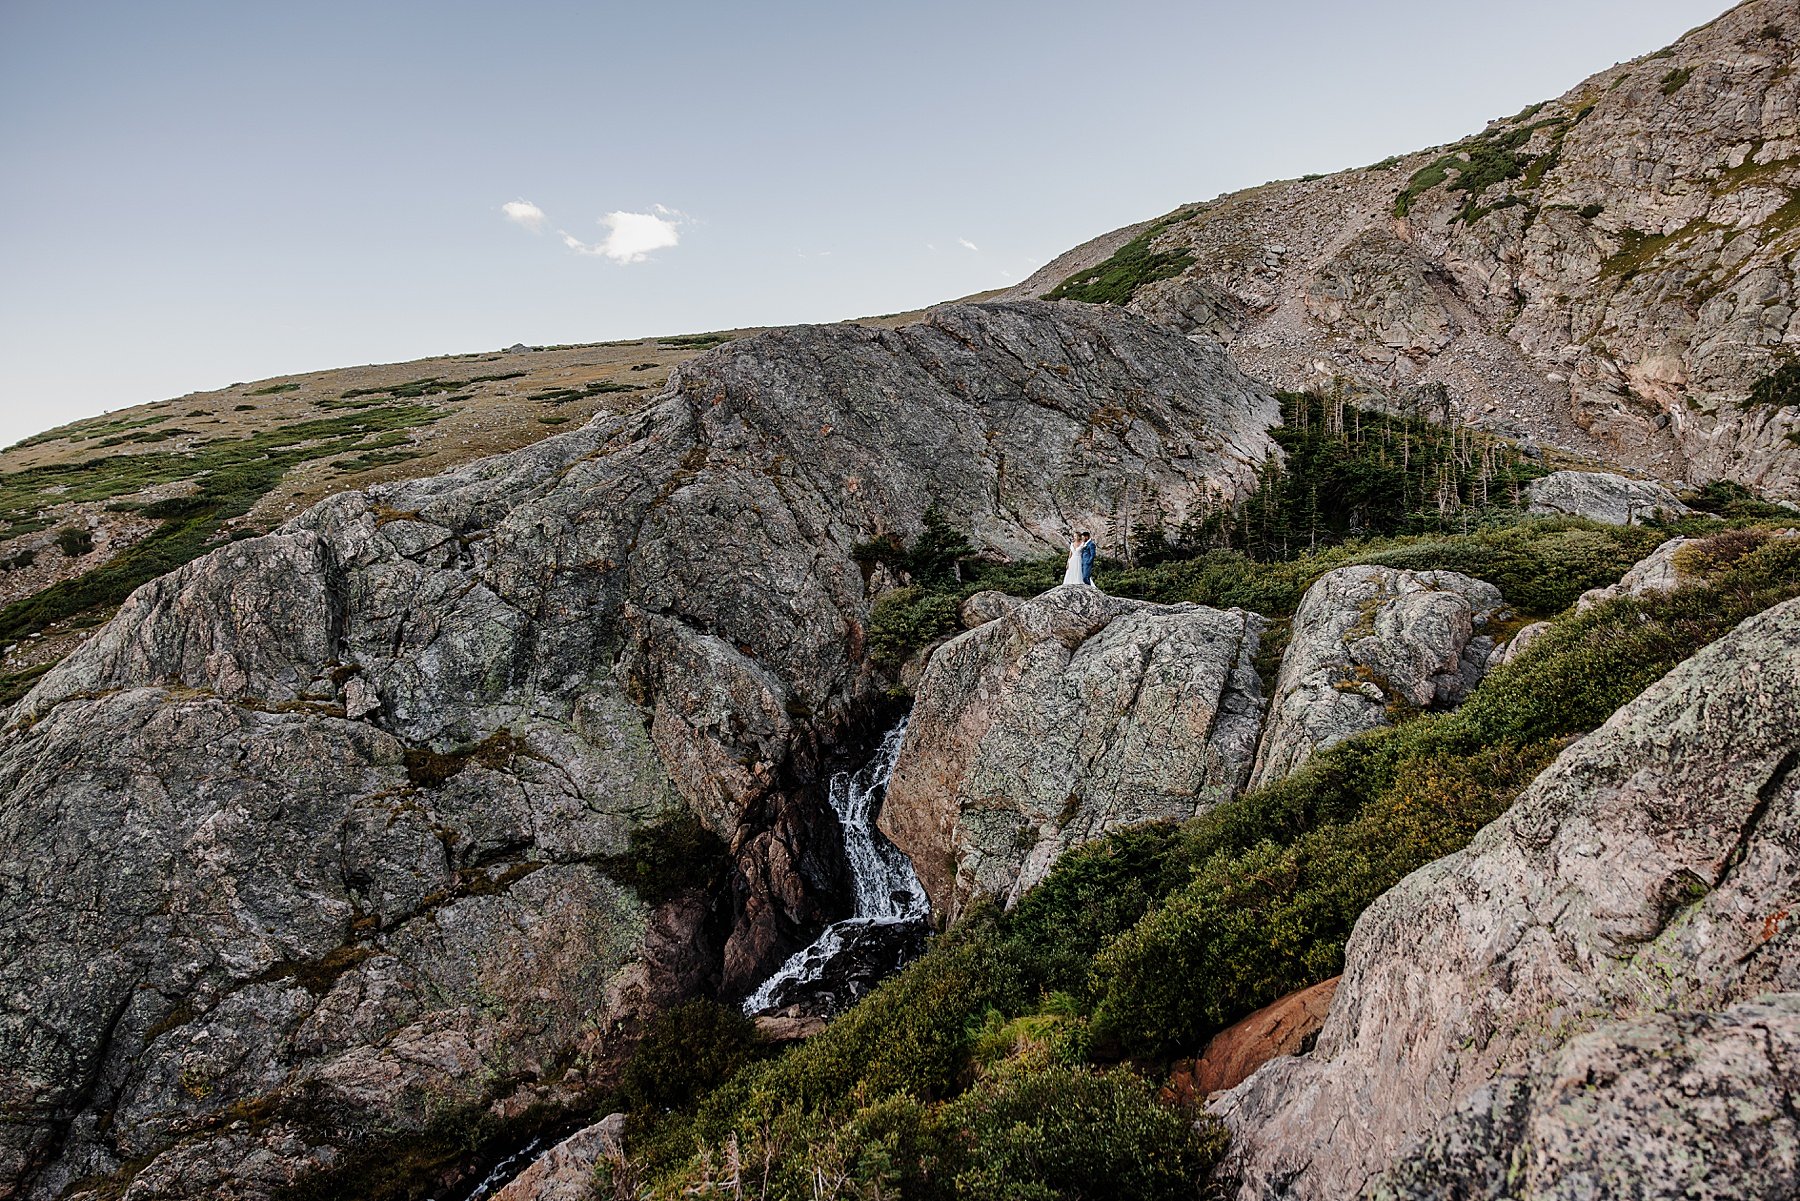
x,y
887,924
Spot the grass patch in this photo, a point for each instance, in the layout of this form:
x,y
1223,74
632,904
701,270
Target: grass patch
x,y
430,385
1131,266
1491,157
581,391
232,475
694,341
273,390
1673,81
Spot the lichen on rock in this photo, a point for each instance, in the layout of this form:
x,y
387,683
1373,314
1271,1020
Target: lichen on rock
x,y
1068,716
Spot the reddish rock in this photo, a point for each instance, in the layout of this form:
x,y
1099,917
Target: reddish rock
x,y
780,1028
1283,1028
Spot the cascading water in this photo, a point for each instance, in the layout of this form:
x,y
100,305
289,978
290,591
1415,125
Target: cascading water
x,y
886,926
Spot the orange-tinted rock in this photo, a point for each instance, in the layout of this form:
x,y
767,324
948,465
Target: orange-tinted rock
x,y
1283,1028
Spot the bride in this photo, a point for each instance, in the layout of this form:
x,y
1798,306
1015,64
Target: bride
x,y
1072,573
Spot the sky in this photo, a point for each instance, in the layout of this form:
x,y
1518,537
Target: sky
x,y
195,194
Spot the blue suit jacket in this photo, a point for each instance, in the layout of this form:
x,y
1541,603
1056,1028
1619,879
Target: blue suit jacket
x,y
1088,551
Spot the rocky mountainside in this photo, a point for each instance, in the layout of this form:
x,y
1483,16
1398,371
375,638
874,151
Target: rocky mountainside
x,y
92,509
386,826
1610,271
391,824
1637,892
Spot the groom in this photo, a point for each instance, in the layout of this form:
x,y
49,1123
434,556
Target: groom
x,y
1088,551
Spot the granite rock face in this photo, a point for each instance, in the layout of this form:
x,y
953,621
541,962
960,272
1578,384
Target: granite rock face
x,y
566,1171
1366,643
318,846
1652,868
1072,715
1602,496
1663,1108
1607,272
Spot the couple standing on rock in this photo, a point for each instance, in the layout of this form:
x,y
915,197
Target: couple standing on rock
x,y
1081,561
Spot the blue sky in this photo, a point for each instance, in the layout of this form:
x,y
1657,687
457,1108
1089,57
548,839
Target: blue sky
x,y
199,193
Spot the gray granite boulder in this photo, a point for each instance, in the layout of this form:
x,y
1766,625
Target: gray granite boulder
x,y
1663,1107
1602,496
1367,643
1654,573
1651,868
1072,715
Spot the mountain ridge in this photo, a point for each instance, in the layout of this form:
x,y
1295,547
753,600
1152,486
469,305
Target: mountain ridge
x,y
1535,272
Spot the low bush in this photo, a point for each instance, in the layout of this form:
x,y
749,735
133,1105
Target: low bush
x,y
684,1053
905,620
74,541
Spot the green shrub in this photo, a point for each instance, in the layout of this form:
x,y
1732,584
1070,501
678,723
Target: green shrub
x,y
74,541
684,1053
905,620
1032,1132
1731,500
1778,389
1131,266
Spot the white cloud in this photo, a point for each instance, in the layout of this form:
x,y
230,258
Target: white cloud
x,y
523,212
631,237
967,245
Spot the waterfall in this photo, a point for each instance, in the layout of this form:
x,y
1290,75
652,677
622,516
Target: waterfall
x,y
888,899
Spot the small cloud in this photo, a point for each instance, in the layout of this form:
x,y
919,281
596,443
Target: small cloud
x,y
523,212
631,237
967,245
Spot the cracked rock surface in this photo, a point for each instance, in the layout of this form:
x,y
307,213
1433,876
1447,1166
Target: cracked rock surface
x,y
1368,642
1066,717
1662,1108
1602,496
1654,867
317,849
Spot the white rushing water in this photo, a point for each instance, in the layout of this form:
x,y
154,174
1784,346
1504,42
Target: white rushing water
x,y
887,892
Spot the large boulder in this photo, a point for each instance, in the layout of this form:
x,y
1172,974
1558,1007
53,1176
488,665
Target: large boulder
x,y
1368,643
338,840
1652,867
1602,496
1069,716
1663,1107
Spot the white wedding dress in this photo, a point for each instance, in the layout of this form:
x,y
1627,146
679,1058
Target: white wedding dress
x,y
1072,573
